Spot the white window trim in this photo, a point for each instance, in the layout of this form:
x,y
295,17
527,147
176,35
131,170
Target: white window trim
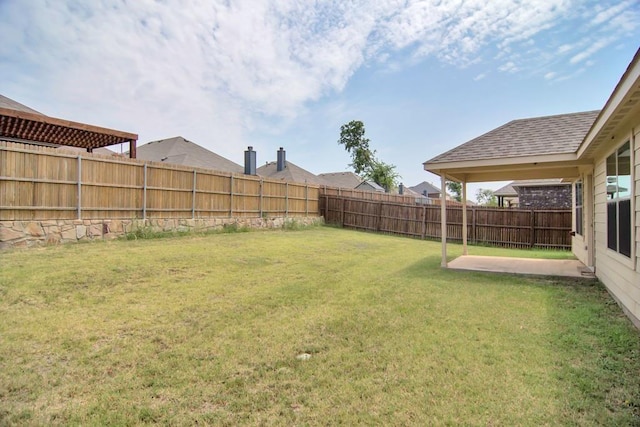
x,y
631,261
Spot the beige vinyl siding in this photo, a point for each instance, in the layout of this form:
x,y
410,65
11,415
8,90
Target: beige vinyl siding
x,y
619,274
637,196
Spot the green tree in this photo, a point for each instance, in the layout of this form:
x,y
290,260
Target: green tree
x,y
485,197
354,141
363,160
383,174
456,190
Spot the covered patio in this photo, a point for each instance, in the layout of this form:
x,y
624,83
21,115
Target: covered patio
x,y
536,148
526,266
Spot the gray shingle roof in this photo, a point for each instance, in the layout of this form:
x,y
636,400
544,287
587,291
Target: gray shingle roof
x,y
509,190
525,137
14,105
291,173
540,182
341,179
370,186
180,151
425,186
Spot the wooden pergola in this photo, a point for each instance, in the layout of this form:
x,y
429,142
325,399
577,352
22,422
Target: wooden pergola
x,y
34,128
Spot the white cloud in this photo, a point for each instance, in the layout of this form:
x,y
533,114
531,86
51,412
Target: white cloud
x,y
589,51
550,75
509,67
212,70
480,77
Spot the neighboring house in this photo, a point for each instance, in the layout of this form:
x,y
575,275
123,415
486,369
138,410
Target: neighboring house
x,y
370,186
507,196
19,123
341,179
179,151
600,152
419,198
427,189
536,194
283,170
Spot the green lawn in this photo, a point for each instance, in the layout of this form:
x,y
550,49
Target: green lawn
x,y
207,330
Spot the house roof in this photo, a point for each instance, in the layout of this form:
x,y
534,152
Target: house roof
x,y
10,104
425,186
535,148
23,124
509,190
341,179
374,186
506,191
291,173
525,137
180,151
552,182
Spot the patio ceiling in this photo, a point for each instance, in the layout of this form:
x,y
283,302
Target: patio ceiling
x,y
37,128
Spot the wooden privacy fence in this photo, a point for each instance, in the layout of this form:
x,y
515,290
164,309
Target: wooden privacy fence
x,y
46,183
365,195
511,228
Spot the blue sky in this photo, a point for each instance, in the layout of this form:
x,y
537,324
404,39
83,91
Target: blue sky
x,y
423,76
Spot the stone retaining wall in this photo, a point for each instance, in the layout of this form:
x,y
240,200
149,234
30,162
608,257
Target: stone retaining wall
x,y
52,232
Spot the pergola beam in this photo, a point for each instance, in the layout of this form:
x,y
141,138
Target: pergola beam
x,y
26,126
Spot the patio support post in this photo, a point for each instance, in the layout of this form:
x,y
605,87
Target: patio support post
x,y
132,148
464,218
443,217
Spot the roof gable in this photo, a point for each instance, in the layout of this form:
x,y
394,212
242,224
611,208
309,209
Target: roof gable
x,y
291,173
425,186
180,151
341,179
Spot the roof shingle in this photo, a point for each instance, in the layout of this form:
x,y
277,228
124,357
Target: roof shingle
x,y
525,137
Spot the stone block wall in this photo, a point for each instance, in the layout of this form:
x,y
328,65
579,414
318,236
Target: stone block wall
x,y
14,234
545,197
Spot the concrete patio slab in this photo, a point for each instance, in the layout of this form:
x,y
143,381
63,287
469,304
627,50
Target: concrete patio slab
x,y
527,266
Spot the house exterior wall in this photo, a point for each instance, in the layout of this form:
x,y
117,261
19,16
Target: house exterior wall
x,y
621,275
545,197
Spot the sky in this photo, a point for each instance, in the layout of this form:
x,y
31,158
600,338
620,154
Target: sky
x,y
423,76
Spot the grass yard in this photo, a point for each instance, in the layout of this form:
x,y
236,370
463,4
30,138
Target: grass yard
x,y
208,330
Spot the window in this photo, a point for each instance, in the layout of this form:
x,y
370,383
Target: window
x,y
619,200
578,205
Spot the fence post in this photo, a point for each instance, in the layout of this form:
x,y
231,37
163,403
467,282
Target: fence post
x,y
144,193
193,201
79,187
342,213
231,197
473,224
261,191
424,222
286,200
379,221
306,200
533,228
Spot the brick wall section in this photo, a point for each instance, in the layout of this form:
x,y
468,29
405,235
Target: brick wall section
x,y
545,197
15,234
